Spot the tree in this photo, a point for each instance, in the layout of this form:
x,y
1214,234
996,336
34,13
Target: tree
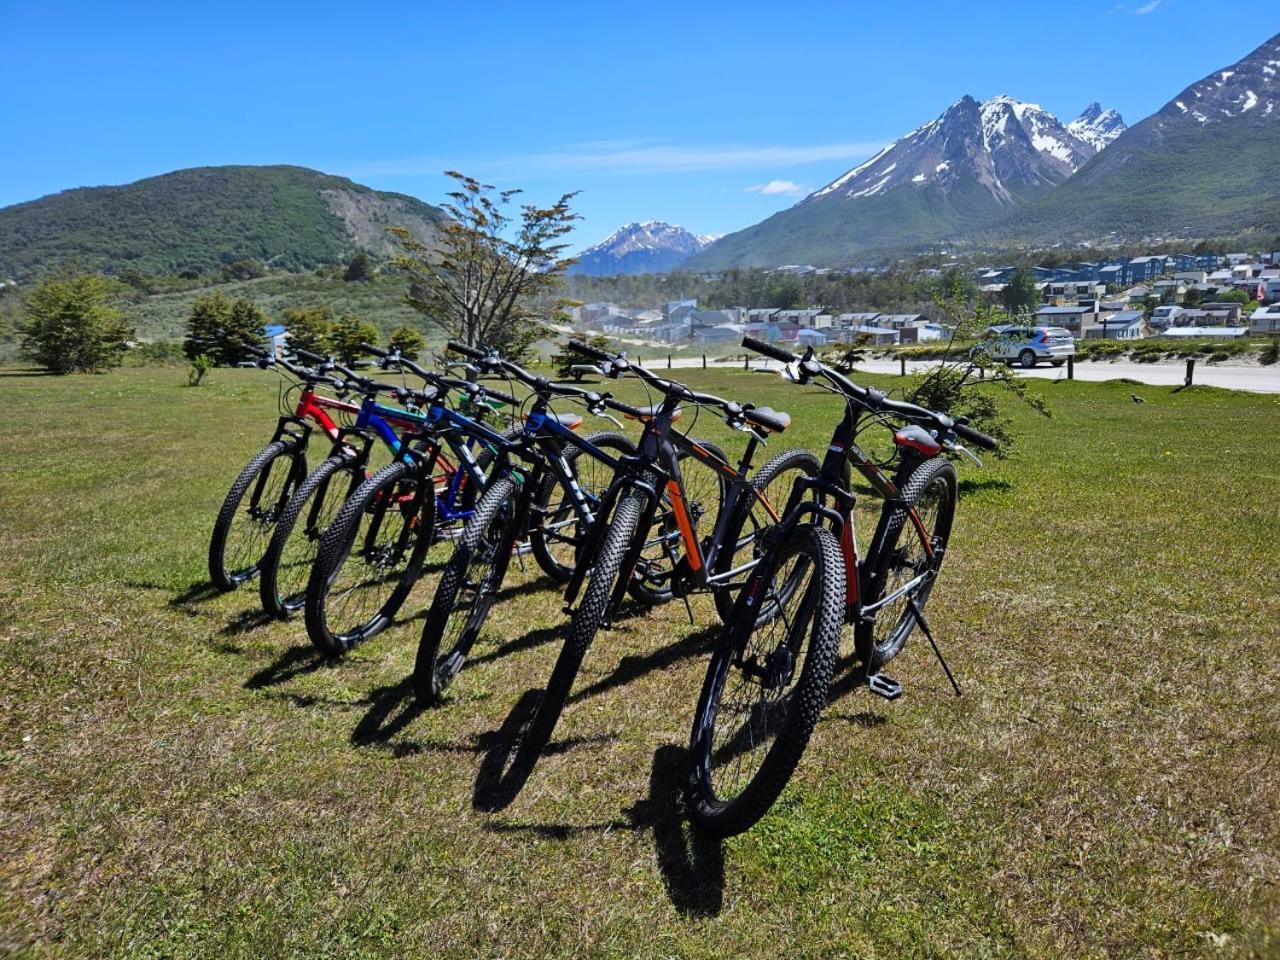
x,y
205,323
244,270
1020,294
407,340
310,328
348,334
359,268
71,325
481,276
565,359
220,329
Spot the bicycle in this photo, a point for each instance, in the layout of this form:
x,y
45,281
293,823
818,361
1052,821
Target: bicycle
x,y
287,562
372,554
242,529
548,455
650,490
767,682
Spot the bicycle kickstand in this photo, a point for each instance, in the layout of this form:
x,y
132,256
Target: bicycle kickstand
x,y
924,625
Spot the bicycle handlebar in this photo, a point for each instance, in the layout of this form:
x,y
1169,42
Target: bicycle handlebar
x,y
466,351
870,397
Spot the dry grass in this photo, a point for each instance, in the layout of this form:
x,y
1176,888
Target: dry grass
x,y
181,779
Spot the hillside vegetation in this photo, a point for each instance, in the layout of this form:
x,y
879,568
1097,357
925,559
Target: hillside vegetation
x,y
194,221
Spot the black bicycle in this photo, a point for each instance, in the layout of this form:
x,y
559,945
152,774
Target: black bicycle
x,y
546,485
653,532
771,672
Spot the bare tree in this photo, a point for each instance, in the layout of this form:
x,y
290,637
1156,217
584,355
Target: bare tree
x,y
479,278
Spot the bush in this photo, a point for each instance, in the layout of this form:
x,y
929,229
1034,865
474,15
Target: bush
x,y
71,326
1270,353
200,366
348,334
407,340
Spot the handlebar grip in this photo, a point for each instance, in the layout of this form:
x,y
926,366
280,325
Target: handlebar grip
x,y
466,351
975,436
769,350
376,351
589,350
309,356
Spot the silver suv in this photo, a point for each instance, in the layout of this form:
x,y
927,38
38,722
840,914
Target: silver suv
x,y
1027,346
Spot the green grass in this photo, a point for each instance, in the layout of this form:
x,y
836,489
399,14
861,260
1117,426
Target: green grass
x,y
180,779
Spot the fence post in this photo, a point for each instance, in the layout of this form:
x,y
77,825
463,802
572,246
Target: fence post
x,y
746,361
668,361
902,366
1071,368
1191,366
704,361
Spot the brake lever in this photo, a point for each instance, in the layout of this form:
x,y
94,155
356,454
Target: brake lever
x,y
961,448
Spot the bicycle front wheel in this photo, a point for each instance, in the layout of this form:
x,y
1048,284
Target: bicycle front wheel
x,y
587,620
467,589
282,586
767,682
370,558
249,513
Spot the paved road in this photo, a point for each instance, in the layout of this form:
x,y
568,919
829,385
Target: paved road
x,y
1253,379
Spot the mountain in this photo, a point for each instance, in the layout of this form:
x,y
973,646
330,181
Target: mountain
x,y
1206,164
649,247
960,171
1097,127
201,218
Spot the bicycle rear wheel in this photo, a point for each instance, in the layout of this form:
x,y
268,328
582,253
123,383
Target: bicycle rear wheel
x,y
370,558
249,513
771,486
557,541
704,490
767,682
907,553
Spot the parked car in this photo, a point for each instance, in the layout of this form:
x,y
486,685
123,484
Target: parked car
x,y
1027,346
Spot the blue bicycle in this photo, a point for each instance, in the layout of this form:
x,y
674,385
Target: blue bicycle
x,y
370,556
309,512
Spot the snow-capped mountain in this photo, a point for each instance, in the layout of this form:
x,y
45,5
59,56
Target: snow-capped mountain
x,y
1212,153
1003,144
960,171
649,247
1096,126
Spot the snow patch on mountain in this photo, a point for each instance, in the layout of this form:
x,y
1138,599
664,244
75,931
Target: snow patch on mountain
x,y
1097,127
651,246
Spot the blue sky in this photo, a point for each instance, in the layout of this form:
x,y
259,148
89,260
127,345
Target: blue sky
x,y
710,115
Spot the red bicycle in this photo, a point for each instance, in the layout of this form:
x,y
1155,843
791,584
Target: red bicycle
x,y
258,496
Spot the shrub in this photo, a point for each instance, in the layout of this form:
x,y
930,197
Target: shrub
x,y
71,326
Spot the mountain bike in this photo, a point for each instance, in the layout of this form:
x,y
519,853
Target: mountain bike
x,y
771,671
288,559
650,494
258,495
371,555
545,457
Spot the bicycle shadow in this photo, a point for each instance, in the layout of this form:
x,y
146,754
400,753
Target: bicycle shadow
x,y
508,760
636,666
691,863
293,662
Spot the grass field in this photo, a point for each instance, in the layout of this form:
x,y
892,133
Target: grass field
x,y
181,779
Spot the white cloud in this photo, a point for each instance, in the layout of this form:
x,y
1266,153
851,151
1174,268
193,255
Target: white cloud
x,y
624,158
1146,8
787,188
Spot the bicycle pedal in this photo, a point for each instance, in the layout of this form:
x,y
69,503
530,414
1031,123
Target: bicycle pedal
x,y
883,686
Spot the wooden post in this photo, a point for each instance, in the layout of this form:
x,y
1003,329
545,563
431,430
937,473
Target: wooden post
x,y
1071,368
668,361
704,361
902,366
1191,366
746,361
